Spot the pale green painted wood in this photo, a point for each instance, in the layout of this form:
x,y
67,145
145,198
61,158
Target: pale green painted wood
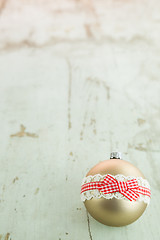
x,y
83,78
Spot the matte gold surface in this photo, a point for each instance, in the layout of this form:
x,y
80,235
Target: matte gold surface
x,y
115,212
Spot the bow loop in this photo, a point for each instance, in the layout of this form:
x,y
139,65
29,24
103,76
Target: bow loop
x,y
127,189
132,184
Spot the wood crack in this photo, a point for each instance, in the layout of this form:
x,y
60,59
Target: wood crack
x,y
69,93
89,227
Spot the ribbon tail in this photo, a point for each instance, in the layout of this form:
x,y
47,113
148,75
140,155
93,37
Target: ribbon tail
x,y
92,186
131,195
144,191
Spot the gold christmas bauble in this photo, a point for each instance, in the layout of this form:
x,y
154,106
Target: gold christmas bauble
x,y
114,209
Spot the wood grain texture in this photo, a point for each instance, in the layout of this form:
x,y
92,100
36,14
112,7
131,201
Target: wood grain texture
x,y
78,79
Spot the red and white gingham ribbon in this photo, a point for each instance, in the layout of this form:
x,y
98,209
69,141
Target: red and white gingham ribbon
x,y
130,189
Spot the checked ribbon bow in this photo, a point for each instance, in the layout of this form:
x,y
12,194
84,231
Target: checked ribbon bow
x,y
130,189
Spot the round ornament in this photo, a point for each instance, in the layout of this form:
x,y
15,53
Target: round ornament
x,y
115,192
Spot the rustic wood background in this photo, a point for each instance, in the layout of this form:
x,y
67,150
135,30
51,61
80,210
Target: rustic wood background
x,y
78,79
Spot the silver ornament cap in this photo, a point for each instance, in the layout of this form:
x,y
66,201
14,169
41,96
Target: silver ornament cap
x,y
115,155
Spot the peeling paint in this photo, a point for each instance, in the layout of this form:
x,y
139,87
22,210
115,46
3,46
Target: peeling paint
x,y
139,146
107,88
71,153
92,121
94,131
15,179
88,30
94,80
22,133
141,121
83,126
7,236
36,191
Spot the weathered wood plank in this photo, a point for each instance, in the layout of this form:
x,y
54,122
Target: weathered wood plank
x,y
78,79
